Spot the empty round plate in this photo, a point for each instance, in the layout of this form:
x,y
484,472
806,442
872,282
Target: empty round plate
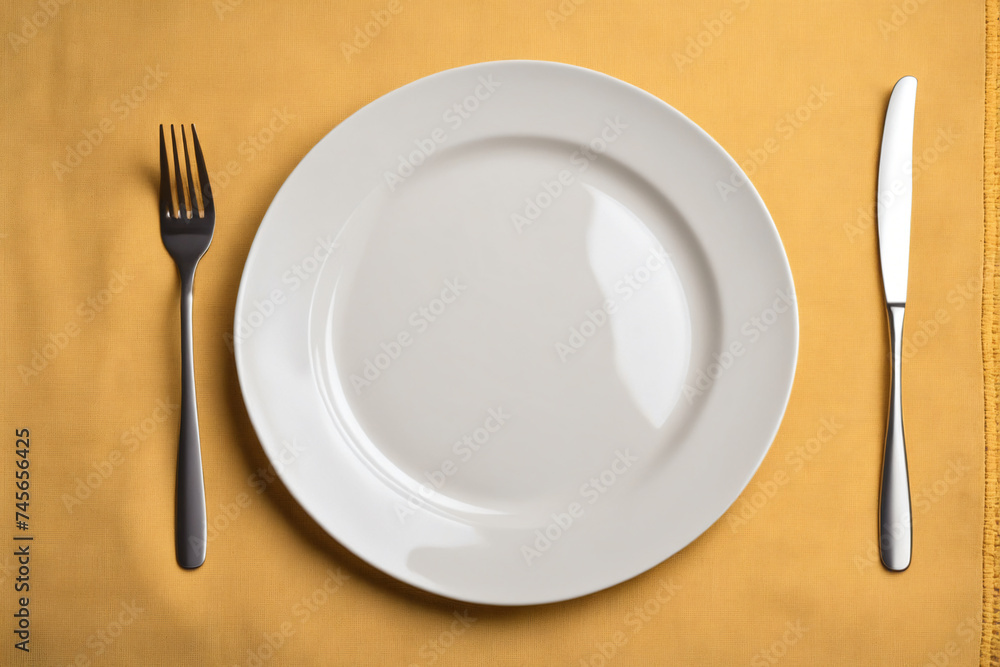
x,y
516,332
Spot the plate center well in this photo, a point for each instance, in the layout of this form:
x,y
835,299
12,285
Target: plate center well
x,y
509,321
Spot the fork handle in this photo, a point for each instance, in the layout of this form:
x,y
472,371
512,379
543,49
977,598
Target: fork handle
x,y
895,525
190,522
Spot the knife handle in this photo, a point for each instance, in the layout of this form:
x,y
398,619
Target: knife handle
x,y
895,524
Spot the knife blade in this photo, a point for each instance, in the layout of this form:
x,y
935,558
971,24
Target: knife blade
x,y
895,194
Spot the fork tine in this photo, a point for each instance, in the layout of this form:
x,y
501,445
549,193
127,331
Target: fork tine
x,y
166,198
178,178
206,187
187,163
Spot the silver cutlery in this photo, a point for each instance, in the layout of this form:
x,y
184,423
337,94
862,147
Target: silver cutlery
x,y
187,231
895,190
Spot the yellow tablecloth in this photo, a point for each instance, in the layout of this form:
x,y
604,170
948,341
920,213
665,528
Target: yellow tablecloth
x,y
796,91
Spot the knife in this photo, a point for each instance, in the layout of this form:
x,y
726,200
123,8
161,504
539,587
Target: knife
x,y
895,190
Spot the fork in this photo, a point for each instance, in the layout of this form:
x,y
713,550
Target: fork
x,y
187,233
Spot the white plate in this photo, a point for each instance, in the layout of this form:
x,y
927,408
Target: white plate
x,y
553,341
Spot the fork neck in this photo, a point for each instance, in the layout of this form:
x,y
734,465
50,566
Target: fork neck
x,y
187,279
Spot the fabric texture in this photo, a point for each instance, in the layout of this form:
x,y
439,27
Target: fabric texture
x,y
796,92
991,347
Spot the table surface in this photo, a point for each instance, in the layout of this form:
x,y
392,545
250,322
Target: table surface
x,y
796,92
